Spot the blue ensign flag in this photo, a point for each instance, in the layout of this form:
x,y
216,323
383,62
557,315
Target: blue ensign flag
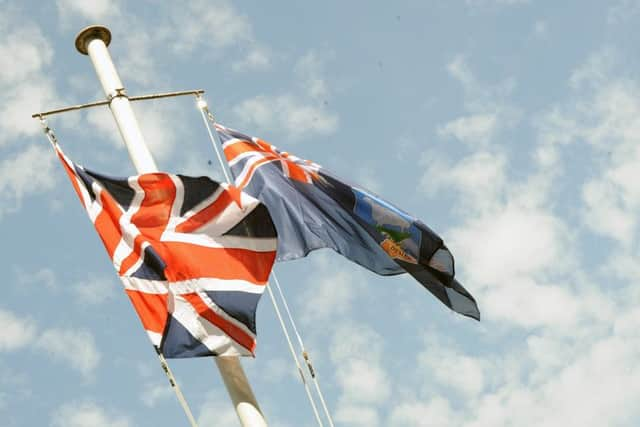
x,y
312,209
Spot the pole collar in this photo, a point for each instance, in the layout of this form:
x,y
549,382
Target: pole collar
x,y
90,33
118,93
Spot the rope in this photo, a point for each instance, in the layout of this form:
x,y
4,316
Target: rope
x,y
48,131
51,136
305,354
208,118
176,388
295,357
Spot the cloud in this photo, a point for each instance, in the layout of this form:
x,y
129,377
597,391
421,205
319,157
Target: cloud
x,y
604,116
286,113
16,332
258,58
435,413
357,415
329,296
489,111
36,280
297,113
216,410
27,173
25,54
207,25
476,128
356,352
93,11
458,372
76,348
480,178
94,290
86,413
573,318
154,394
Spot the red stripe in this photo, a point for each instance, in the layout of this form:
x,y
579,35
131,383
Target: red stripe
x,y
237,148
72,176
151,308
253,167
296,172
233,331
187,261
134,256
206,214
108,223
155,210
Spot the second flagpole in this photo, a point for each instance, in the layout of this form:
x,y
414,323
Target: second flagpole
x,y
93,41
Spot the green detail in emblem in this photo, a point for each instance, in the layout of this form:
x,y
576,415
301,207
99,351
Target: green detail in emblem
x,y
396,236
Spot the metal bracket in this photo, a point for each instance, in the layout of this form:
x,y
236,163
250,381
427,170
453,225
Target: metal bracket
x,y
119,93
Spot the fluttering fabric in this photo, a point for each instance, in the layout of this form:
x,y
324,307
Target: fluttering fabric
x,y
194,256
312,209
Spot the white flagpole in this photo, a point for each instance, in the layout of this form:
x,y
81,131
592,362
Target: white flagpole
x,y
93,41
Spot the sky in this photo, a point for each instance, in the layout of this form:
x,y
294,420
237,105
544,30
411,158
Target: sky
x,y
510,127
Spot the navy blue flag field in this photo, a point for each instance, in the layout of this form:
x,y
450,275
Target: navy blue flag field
x,y
312,209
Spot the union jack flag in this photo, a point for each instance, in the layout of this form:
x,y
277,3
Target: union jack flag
x,y
194,256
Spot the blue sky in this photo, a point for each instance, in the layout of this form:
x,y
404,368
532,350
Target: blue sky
x,y
511,127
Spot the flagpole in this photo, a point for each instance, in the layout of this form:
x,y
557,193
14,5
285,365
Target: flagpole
x,y
93,41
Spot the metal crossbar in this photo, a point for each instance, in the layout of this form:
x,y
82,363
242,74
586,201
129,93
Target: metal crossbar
x,y
195,92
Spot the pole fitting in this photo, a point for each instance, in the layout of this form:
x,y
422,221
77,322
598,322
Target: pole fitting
x,y
86,35
118,93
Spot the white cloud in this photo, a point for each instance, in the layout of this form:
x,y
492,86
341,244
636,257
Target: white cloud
x,y
357,415
27,173
27,89
296,113
480,178
472,129
435,413
84,414
515,240
36,280
329,296
154,394
24,51
207,25
287,113
605,114
93,11
489,112
356,352
94,290
77,348
258,58
577,349
217,411
16,332
452,370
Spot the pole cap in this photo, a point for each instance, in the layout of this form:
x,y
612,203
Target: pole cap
x,y
91,33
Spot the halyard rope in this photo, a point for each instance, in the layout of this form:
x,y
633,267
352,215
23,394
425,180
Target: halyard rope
x,y
51,136
209,120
